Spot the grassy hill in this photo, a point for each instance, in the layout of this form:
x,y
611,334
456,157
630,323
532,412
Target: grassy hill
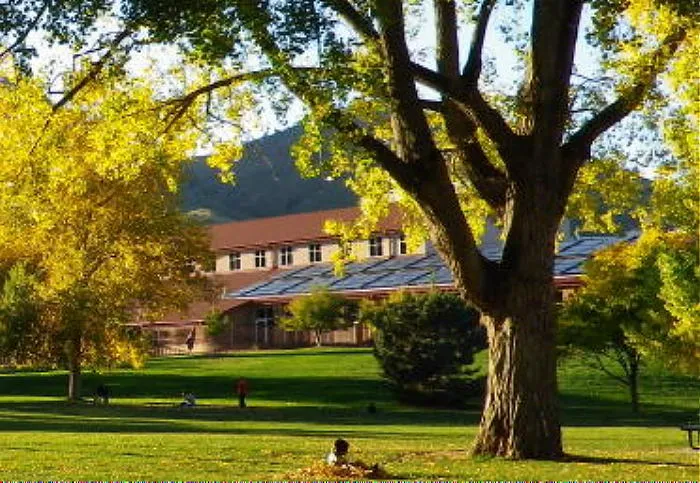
x,y
268,184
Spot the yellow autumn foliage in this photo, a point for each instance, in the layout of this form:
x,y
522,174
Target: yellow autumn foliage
x,y
89,198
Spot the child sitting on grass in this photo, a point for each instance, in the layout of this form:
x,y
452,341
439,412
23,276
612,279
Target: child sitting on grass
x,y
337,466
189,400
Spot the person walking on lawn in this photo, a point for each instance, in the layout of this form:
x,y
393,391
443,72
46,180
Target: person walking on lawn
x,y
242,391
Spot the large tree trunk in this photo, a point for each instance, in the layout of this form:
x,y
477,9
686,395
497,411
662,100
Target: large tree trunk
x,y
521,415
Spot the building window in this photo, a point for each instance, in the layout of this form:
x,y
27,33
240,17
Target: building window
x,y
264,322
234,261
286,256
265,316
260,258
403,249
314,253
375,246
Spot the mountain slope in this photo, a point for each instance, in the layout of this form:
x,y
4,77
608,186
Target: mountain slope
x,y
267,184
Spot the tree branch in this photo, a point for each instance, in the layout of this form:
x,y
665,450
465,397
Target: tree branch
x,y
432,79
91,76
94,71
553,40
411,130
489,181
447,42
461,126
30,28
432,105
472,69
628,101
472,103
492,123
602,367
361,24
182,104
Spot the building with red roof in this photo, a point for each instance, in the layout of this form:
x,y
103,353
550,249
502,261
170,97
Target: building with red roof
x,y
262,264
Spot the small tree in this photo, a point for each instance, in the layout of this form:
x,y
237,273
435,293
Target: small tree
x,y
600,332
424,343
620,317
215,322
320,312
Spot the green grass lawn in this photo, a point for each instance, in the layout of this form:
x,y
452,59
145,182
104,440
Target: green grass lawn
x,y
300,402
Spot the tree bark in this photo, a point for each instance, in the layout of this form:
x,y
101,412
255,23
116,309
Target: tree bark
x,y
521,413
633,382
74,366
74,383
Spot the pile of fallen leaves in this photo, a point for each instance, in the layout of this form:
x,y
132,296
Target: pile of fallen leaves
x,y
344,471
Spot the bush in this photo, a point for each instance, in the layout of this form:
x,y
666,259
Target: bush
x,y
424,344
215,322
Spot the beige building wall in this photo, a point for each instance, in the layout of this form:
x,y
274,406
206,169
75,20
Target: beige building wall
x,y
387,242
300,255
222,263
247,260
327,251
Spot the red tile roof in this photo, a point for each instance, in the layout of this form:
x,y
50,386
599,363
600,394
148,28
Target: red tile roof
x,y
279,230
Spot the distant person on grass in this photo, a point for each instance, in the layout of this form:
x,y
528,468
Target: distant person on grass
x,y
188,400
242,391
102,394
190,339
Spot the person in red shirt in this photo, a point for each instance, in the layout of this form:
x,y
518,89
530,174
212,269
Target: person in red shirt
x,y
242,391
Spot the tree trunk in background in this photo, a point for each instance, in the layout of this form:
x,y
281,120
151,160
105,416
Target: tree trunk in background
x,y
74,383
633,378
74,367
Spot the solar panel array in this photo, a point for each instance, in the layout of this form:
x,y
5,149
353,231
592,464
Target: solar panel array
x,y
569,266
399,278
404,271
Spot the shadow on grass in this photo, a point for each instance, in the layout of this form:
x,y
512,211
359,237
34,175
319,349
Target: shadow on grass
x,y
64,416
595,460
585,411
264,354
324,393
312,390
